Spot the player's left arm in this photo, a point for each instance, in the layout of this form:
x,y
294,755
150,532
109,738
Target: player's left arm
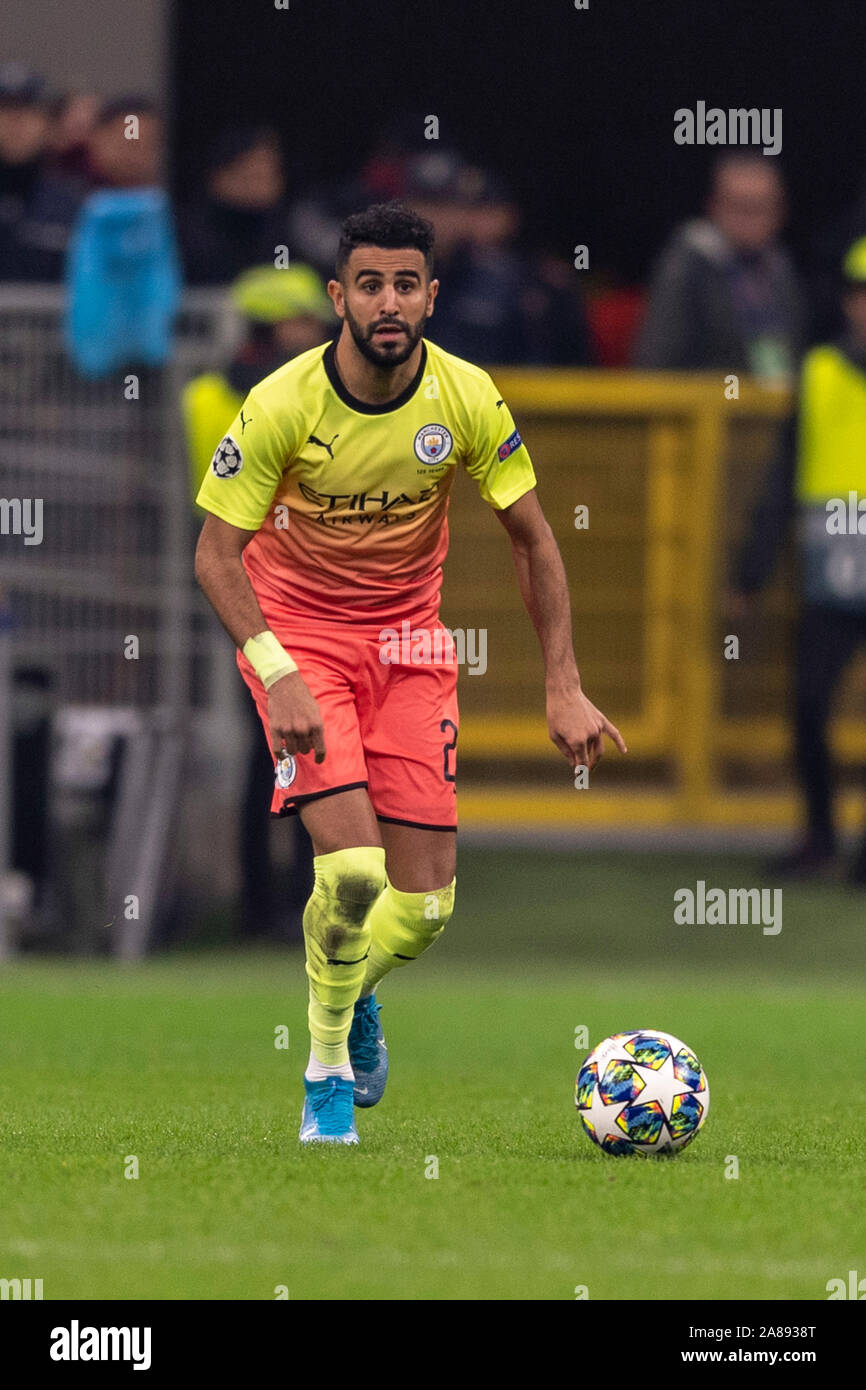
x,y
575,725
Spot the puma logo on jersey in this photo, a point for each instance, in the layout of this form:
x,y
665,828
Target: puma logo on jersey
x,y
322,445
244,422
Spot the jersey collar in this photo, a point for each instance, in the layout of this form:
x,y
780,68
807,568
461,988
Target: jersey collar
x,y
364,407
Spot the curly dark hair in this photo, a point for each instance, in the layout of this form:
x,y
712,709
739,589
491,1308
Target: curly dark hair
x,y
386,224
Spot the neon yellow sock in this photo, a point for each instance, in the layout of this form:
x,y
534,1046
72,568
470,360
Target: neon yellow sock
x,y
402,925
337,939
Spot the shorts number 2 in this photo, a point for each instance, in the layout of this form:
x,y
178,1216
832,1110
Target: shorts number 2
x,y
448,749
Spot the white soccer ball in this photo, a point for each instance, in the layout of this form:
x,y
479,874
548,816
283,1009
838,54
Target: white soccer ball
x,y
642,1092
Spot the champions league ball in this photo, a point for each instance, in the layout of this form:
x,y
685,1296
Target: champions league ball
x,y
642,1093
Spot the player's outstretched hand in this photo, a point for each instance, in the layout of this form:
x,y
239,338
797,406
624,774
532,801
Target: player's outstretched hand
x,y
294,718
578,728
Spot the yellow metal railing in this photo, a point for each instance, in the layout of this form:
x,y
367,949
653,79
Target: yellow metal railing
x,y
672,466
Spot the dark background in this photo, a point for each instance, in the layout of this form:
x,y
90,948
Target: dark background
x,y
574,107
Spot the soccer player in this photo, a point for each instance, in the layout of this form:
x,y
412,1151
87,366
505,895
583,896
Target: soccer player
x,y
328,529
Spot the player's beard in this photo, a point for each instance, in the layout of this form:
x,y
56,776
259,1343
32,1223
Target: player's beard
x,y
391,354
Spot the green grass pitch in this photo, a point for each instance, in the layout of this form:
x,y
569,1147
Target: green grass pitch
x,y
174,1063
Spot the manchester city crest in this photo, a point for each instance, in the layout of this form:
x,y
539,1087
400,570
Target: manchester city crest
x,y
433,443
286,770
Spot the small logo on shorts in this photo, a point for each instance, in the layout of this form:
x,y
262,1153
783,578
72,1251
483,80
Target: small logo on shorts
x,y
286,771
433,443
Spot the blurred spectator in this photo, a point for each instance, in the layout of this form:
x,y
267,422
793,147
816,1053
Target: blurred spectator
x,y
819,477
122,272
123,155
72,119
556,323
37,208
285,312
477,314
494,305
243,215
317,215
725,294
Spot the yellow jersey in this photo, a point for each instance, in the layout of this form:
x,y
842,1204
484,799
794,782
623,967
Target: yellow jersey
x,y
349,501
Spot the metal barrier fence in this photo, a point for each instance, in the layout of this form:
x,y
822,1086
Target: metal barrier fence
x,y
99,599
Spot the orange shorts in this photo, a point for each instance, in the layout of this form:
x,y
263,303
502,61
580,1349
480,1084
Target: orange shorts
x,y
389,710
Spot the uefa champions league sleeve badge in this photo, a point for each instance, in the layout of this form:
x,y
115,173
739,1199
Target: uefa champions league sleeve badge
x,y
228,460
